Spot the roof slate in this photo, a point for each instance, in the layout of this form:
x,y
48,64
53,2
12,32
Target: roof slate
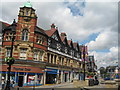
x,y
40,30
50,32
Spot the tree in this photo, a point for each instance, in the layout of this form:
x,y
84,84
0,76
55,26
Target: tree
x,y
102,71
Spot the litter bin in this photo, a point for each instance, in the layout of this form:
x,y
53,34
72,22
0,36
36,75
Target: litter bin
x,y
91,82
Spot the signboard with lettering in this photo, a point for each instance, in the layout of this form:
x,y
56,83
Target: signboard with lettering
x,y
23,69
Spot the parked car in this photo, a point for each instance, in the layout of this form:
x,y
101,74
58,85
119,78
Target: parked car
x,y
108,78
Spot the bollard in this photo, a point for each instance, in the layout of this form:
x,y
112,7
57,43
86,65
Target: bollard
x,y
18,88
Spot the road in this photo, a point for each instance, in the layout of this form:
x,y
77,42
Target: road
x,y
69,86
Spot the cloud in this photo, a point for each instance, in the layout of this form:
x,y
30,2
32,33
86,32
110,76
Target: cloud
x,y
106,58
105,40
96,17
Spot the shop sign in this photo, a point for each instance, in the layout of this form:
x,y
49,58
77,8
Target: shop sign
x,y
51,71
21,69
66,71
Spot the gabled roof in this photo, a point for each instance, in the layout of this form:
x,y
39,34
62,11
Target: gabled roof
x,y
75,44
3,25
81,47
51,31
62,38
9,27
69,42
40,30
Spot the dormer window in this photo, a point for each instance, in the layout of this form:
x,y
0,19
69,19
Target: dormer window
x,y
58,47
25,35
66,50
39,40
78,56
71,52
55,37
49,42
8,36
76,48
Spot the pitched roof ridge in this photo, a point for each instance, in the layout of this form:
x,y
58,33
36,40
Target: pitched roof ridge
x,y
5,23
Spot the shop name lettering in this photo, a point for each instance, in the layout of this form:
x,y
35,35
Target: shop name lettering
x,y
22,69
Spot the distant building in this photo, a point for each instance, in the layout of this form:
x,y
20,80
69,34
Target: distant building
x,y
91,66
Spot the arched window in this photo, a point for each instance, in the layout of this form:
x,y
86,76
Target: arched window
x,y
25,35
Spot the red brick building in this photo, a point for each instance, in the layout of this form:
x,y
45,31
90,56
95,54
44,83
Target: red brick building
x,y
41,56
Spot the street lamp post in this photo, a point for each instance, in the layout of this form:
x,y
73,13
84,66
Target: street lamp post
x,y
10,60
84,62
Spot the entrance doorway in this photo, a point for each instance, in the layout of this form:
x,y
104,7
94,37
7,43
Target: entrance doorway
x,y
65,77
50,78
20,81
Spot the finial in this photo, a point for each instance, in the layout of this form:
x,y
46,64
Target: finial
x,y
53,26
28,4
14,23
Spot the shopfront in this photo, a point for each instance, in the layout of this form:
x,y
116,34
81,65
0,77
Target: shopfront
x,y
66,76
24,75
51,75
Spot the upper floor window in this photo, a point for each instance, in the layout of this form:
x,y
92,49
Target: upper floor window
x,y
23,54
27,12
55,59
39,39
25,35
59,47
49,42
71,52
77,48
35,56
66,50
8,52
60,61
8,36
41,55
78,56
48,57
55,37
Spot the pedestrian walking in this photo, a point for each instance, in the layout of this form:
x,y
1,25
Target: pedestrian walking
x,y
13,84
3,83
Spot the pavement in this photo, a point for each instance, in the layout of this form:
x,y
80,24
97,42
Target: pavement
x,y
78,85
63,85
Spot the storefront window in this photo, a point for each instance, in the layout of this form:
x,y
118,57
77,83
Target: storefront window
x,y
31,79
39,77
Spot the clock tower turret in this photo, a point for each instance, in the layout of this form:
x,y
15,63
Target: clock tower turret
x,y
27,20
